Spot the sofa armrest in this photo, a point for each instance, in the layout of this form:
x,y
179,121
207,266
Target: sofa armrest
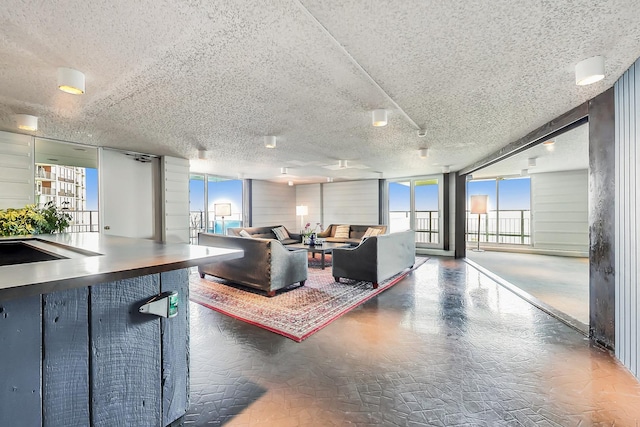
x,y
356,263
287,266
296,236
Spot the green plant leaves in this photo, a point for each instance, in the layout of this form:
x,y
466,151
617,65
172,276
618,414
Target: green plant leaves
x,y
33,220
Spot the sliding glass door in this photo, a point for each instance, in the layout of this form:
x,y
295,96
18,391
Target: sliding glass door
x,y
215,204
415,204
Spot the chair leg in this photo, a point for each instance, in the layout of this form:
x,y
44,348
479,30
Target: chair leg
x,y
202,275
375,285
337,279
302,282
271,294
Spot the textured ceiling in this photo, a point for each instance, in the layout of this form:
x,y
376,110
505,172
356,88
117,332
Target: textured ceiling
x,y
173,77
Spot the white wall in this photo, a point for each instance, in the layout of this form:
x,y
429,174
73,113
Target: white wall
x,y
310,195
274,204
560,211
352,202
627,218
17,185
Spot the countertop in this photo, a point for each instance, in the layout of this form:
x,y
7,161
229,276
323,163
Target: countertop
x,y
94,258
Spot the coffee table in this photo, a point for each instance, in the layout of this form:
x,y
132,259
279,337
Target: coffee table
x,y
325,248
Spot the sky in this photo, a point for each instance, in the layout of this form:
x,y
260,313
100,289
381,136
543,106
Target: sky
x,y
92,189
229,191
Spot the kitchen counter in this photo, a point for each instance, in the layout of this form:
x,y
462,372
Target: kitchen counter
x,y
92,258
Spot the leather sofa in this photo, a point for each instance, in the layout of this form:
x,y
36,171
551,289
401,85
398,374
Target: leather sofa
x,y
267,265
355,233
377,258
265,233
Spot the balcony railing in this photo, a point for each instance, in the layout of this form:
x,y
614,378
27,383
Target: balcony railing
x,y
197,224
511,227
83,221
427,224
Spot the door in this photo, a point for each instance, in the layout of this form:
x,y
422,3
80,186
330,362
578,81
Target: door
x,y
128,194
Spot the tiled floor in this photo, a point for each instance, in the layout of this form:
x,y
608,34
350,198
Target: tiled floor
x,y
444,347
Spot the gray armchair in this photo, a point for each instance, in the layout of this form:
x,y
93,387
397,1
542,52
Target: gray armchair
x,y
377,258
267,265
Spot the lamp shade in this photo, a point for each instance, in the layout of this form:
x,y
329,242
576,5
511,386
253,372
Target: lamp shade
x,y
479,204
27,122
270,141
302,210
222,209
379,118
590,70
71,81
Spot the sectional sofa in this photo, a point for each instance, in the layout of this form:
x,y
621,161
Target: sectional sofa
x,y
356,232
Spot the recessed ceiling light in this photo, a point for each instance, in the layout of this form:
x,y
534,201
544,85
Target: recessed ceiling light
x,y
202,154
270,141
549,142
342,164
379,118
423,152
27,122
70,81
590,70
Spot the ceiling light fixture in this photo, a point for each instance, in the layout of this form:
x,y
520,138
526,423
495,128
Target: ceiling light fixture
x,y
379,118
71,81
270,141
590,70
549,142
290,183
342,164
202,154
446,169
532,162
27,122
284,171
423,152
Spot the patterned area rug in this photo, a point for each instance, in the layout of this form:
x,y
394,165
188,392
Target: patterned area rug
x,y
295,312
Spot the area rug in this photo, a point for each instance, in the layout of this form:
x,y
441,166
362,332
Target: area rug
x,y
295,312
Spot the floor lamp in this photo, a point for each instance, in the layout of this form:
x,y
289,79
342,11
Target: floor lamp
x,y
301,211
479,206
222,209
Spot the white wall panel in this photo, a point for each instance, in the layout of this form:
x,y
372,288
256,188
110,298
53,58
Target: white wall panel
x,y
627,214
310,195
175,200
17,185
274,204
560,210
353,202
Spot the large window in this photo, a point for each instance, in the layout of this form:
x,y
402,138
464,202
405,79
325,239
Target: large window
x,y
508,214
415,204
207,192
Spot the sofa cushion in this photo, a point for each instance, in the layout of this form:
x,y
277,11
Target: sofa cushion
x,y
281,233
342,232
244,233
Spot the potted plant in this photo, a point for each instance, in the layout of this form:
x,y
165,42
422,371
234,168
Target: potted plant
x,y
33,220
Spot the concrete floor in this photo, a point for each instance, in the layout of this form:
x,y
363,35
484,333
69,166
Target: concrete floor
x,y
446,346
561,282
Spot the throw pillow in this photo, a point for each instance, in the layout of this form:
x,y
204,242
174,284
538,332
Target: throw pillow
x,y
244,233
342,232
281,233
371,232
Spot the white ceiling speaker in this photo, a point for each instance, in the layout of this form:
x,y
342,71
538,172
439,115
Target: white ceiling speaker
x,y
532,162
379,118
71,81
590,70
27,122
423,153
270,141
